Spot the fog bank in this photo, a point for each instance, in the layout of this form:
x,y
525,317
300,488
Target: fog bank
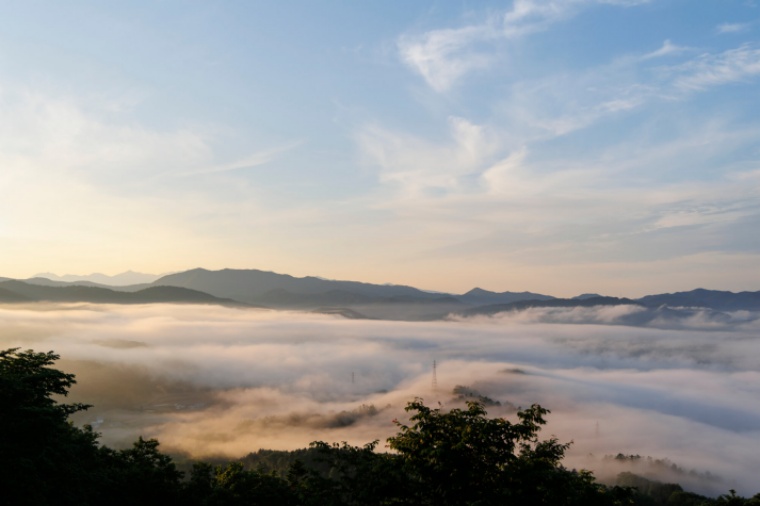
x,y
210,381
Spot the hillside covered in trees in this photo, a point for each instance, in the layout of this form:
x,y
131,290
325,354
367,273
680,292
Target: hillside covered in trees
x,y
456,457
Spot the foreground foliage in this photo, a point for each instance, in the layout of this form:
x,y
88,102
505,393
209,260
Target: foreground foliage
x,y
456,457
463,457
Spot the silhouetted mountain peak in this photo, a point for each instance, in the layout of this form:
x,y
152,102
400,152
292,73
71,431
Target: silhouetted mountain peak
x,y
481,297
478,291
585,296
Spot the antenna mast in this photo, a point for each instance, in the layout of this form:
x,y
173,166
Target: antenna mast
x,y
435,378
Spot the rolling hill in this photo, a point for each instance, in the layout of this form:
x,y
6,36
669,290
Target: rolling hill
x,y
20,291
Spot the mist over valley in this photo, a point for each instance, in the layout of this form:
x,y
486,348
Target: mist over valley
x,y
221,379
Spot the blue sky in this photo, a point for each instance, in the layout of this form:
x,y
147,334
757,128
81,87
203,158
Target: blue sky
x,y
556,146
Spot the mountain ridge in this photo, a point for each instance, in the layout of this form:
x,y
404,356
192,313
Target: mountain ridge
x,y
125,278
20,291
257,288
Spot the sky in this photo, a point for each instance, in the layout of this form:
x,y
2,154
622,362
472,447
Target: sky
x,y
561,147
219,381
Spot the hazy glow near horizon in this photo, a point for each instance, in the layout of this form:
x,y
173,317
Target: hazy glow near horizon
x,y
554,146
211,381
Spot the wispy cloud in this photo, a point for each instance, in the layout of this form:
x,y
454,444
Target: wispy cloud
x,y
621,204
58,135
732,27
709,69
668,48
88,186
530,195
444,56
415,165
560,104
250,161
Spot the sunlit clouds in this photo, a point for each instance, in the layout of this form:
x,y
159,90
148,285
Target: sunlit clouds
x,y
209,381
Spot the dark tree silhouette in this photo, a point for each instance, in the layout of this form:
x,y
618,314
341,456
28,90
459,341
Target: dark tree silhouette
x,y
462,457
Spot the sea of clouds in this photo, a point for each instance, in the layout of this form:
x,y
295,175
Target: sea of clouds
x,y
213,381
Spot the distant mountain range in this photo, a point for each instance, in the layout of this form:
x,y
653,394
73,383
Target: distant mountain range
x,y
255,288
29,291
123,279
